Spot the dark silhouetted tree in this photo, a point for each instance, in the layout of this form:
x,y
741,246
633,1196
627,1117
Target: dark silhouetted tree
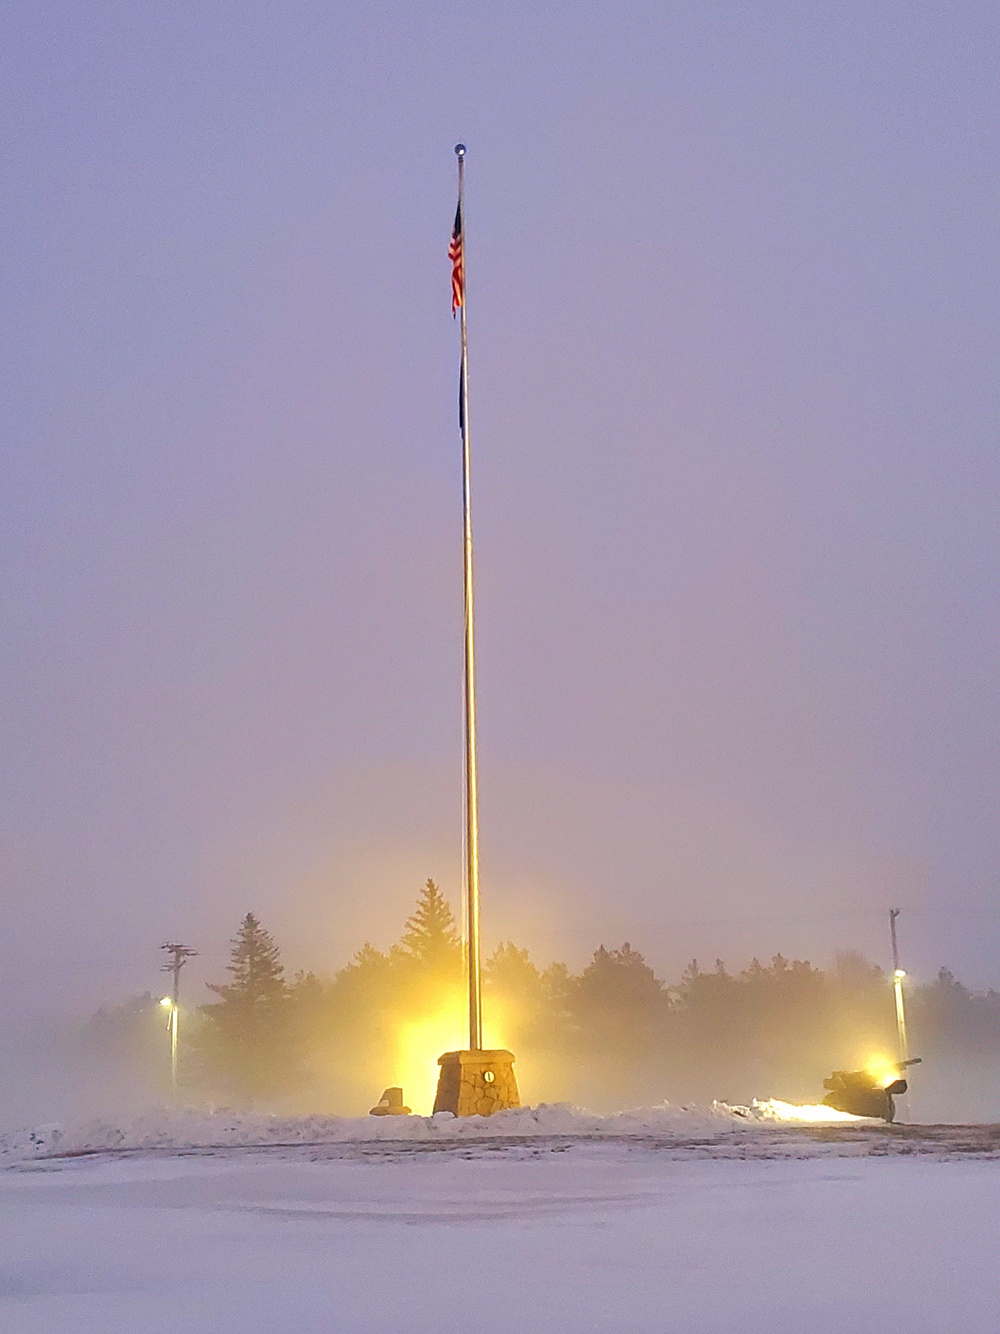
x,y
510,972
618,1010
430,936
246,1041
618,1001
515,993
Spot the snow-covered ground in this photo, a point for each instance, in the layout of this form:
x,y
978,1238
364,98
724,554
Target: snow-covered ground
x,y
169,1130
673,1221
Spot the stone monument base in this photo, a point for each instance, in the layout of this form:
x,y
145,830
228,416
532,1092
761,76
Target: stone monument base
x,y
476,1083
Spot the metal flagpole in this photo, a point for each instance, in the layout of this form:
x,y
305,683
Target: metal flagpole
x,y
471,778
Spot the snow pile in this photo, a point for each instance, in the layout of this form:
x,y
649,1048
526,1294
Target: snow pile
x,y
194,1129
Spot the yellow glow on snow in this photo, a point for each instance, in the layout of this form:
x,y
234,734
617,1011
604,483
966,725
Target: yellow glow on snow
x,y
419,1044
815,1113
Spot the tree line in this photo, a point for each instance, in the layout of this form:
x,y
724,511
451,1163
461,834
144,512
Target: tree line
x,y
613,1036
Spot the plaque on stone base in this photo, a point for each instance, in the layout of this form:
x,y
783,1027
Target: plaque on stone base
x,y
476,1083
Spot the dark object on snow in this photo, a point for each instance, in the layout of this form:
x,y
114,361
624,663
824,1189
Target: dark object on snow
x,y
863,1094
390,1104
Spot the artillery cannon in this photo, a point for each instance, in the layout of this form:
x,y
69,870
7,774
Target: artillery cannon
x,y
864,1093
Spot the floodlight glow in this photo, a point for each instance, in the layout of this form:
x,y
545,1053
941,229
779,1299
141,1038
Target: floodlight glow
x,y
883,1070
167,1003
773,1109
419,1043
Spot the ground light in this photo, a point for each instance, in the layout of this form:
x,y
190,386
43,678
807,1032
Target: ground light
x,y
773,1109
419,1042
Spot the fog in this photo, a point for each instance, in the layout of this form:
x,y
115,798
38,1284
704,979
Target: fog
x,y
607,1036
733,338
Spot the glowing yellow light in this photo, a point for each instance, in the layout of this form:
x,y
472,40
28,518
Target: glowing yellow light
x,y
899,974
167,1003
420,1042
883,1070
776,1110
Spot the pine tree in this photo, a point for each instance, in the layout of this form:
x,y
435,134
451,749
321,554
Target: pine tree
x,y
245,1042
258,975
516,996
618,993
431,936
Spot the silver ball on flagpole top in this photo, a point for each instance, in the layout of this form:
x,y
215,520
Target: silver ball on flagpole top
x,y
460,150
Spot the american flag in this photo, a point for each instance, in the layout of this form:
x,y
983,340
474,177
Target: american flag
x,y
457,256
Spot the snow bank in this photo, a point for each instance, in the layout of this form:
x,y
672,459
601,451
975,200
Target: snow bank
x,y
192,1129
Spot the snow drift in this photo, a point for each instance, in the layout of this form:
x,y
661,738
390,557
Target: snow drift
x,y
193,1129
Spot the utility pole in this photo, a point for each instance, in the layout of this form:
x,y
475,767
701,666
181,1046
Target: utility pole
x,y
179,955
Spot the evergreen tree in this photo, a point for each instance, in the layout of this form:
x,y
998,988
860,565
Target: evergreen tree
x,y
246,1038
618,1012
709,1006
361,991
516,997
255,963
431,936
557,988
618,987
510,973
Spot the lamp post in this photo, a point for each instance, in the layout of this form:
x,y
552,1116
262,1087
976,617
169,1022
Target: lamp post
x,y
897,985
171,1006
179,955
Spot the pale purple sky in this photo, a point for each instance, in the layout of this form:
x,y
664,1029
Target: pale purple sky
x,y
733,318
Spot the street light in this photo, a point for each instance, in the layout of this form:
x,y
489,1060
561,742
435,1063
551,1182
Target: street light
x,y
170,1005
179,955
897,983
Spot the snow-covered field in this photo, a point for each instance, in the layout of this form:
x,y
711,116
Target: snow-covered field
x,y
547,1220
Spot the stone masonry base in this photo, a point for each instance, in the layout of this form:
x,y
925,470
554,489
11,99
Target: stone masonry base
x,y
476,1083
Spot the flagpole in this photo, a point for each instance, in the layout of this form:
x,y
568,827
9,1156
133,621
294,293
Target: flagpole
x,y
472,1082
471,774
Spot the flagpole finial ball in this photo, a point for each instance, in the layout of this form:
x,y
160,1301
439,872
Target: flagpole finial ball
x,y
460,150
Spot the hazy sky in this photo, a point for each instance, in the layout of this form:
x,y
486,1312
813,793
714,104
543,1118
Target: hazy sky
x,y
733,318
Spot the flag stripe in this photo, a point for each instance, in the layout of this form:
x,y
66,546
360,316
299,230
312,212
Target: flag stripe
x,y
456,253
